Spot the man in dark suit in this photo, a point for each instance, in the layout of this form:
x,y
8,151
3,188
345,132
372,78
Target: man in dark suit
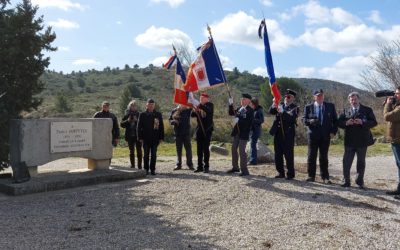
x,y
243,120
204,112
150,131
284,129
356,121
320,118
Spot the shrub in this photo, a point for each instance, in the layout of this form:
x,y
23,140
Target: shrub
x,y
62,104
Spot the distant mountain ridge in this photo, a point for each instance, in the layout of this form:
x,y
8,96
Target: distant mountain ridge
x,y
86,90
327,85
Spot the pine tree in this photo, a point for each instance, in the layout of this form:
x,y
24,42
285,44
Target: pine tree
x,y
22,40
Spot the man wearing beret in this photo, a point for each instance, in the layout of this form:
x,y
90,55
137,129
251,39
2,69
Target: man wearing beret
x,y
150,131
243,120
320,118
284,130
204,112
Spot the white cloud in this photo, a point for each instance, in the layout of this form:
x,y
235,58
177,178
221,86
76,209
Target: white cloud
x,y
158,61
85,61
304,72
375,17
266,2
241,28
285,16
61,4
163,38
64,24
317,14
63,48
118,22
260,71
226,62
172,3
346,70
352,39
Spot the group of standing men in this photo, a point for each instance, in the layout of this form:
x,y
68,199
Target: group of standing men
x,y
322,124
146,130
142,130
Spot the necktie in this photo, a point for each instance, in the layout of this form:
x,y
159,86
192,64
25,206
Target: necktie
x,y
320,114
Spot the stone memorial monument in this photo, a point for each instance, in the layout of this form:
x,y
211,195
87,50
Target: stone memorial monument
x,y
34,142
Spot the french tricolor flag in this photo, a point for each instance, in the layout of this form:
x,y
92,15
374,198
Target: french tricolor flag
x,y
206,71
269,64
171,61
180,96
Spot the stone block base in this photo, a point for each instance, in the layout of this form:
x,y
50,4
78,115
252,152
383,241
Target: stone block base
x,y
98,164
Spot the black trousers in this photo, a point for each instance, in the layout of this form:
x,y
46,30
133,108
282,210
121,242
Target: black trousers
x,y
284,147
150,152
133,143
348,157
180,142
321,145
203,150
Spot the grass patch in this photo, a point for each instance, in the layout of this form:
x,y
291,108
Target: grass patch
x,y
338,150
168,149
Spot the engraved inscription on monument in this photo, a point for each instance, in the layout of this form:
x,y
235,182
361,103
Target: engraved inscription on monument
x,y
70,136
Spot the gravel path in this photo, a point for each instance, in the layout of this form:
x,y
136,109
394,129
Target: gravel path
x,y
182,210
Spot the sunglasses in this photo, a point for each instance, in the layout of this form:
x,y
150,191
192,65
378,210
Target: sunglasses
x,y
288,96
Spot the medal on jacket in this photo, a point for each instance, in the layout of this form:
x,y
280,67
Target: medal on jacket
x,y
156,123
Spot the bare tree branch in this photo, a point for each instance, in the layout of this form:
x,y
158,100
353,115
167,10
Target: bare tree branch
x,y
384,69
185,54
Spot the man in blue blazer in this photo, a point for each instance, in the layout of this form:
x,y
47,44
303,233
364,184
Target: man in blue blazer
x,y
320,118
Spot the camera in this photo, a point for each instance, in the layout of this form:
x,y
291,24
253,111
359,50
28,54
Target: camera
x,y
386,93
383,93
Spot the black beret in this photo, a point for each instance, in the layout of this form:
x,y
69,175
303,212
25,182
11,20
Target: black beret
x,y
291,92
318,92
150,101
246,96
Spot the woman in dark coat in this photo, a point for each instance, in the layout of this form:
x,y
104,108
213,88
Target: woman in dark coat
x,y
255,129
129,122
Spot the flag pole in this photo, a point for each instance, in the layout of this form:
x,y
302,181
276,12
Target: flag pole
x,y
227,86
226,83
174,72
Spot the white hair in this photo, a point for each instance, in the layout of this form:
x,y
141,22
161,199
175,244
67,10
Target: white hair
x,y
131,103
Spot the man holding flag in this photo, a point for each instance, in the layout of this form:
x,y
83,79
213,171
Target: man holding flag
x,y
204,112
244,116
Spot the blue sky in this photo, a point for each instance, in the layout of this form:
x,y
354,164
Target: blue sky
x,y
328,39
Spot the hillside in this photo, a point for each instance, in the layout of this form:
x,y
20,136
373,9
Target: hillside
x,y
84,91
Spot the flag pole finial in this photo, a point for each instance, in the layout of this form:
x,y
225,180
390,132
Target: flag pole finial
x,y
209,30
173,47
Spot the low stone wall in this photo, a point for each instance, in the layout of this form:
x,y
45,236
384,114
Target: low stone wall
x,y
34,142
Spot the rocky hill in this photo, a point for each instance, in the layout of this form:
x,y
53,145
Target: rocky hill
x,y
83,92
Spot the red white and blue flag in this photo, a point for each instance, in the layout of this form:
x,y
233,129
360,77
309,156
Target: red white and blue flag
x,y
180,96
269,64
206,71
171,61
